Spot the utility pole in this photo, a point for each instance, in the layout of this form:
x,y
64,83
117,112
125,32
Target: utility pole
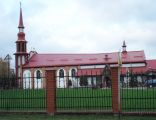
x,y
8,58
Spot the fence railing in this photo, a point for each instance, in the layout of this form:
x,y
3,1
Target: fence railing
x,y
85,93
79,93
138,93
16,95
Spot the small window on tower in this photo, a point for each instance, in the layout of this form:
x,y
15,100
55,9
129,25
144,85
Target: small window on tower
x,y
18,47
23,47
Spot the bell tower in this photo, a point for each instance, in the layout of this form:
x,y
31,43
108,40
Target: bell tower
x,y
21,55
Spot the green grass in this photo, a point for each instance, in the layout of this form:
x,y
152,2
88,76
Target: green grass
x,y
139,99
22,99
84,98
133,99
72,117
79,99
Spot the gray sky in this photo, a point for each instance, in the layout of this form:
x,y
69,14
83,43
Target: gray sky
x,y
80,26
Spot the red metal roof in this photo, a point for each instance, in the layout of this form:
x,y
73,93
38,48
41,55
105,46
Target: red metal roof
x,y
89,72
134,70
151,64
133,56
48,60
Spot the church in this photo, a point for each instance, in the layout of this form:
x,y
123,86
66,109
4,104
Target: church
x,y
30,66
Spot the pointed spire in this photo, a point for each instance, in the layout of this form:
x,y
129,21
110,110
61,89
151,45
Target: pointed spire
x,y
20,18
21,34
124,47
124,44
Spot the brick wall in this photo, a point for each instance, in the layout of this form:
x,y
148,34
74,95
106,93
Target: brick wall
x,y
115,91
51,92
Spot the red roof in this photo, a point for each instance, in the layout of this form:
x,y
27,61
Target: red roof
x,y
89,72
47,60
151,64
133,56
134,70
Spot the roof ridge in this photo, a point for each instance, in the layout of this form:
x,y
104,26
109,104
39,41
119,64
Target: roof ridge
x,y
151,59
73,53
84,53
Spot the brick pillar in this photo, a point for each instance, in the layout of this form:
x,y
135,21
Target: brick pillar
x,y
51,91
115,91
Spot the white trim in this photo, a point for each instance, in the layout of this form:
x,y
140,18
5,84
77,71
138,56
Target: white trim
x,y
113,65
87,67
134,65
99,66
57,73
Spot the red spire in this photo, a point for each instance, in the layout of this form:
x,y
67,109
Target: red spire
x,y
20,19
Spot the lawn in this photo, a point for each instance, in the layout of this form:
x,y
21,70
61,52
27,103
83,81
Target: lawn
x,y
84,99
133,99
79,99
139,99
19,99
72,117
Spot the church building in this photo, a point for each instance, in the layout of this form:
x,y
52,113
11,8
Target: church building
x,y
31,66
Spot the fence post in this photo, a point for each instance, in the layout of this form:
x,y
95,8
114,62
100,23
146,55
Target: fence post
x,y
115,91
51,91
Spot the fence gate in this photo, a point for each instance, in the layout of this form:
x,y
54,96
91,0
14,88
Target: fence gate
x,y
87,91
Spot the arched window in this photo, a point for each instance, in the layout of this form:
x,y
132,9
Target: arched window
x,y
73,72
38,74
61,73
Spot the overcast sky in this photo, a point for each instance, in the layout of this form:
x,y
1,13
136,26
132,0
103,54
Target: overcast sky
x,y
80,26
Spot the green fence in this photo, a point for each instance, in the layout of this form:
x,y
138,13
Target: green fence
x,y
138,94
88,96
19,98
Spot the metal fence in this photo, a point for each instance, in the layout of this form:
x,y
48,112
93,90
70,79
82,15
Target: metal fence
x,y
79,93
138,93
87,93
22,94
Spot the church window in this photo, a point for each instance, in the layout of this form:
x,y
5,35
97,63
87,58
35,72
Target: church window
x,y
73,72
61,73
38,74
